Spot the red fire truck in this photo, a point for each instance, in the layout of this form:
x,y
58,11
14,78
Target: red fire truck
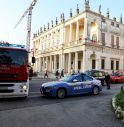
x,y
14,81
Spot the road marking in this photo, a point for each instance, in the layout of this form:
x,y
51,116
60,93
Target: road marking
x,y
33,96
34,92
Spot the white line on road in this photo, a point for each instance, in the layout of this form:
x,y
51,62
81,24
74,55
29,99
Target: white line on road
x,y
34,92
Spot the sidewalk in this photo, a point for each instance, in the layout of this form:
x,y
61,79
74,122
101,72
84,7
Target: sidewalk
x,y
40,75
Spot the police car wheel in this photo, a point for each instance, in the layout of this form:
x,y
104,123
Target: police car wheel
x,y
61,93
95,90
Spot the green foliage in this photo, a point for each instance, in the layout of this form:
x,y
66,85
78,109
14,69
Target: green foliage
x,y
120,99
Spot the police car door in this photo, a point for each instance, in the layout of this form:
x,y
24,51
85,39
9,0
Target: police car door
x,y
87,83
76,85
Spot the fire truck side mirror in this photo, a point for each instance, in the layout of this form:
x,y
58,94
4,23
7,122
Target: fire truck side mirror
x,y
33,59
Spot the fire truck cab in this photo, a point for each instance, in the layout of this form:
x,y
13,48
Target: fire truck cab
x,y
14,79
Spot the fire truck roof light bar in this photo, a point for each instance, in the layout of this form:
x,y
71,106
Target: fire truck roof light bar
x,y
6,44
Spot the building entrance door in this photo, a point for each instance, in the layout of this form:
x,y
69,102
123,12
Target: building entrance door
x,y
79,65
93,64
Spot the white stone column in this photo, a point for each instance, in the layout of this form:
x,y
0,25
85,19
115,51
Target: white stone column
x,y
37,69
84,61
62,35
69,62
108,63
123,64
63,61
40,64
76,61
43,64
59,61
85,28
70,34
114,64
47,62
66,63
50,63
98,65
99,37
77,30
55,65
35,65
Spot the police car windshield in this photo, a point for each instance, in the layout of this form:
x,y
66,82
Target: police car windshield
x,y
68,78
16,57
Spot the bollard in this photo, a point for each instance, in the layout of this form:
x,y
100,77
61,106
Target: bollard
x,y
122,87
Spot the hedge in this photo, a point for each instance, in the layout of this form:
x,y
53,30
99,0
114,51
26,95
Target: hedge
x,y
120,99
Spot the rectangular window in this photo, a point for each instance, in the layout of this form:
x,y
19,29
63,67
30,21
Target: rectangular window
x,y
103,20
102,63
79,65
93,64
57,65
117,65
112,65
112,41
117,42
112,23
103,38
118,25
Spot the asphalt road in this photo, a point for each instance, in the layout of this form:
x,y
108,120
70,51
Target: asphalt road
x,y
75,111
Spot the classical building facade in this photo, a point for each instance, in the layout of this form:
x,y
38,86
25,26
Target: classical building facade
x,y
87,40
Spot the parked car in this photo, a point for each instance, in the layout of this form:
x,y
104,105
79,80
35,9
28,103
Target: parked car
x,y
117,77
98,74
79,83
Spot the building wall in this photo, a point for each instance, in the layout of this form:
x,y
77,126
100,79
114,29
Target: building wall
x,y
73,44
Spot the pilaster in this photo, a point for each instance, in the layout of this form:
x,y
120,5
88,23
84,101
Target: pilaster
x,y
47,62
50,63
55,65
84,61
77,30
69,62
76,61
70,34
85,27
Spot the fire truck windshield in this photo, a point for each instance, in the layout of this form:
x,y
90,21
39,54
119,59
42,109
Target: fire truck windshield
x,y
16,57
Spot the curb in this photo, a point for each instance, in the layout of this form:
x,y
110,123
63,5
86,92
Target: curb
x,y
117,109
43,77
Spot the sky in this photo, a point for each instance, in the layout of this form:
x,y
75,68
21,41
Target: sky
x,y
43,12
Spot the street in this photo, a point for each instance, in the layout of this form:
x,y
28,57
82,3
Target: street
x,y
79,42
75,111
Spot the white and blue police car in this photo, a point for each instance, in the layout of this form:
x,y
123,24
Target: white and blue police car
x,y
79,83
